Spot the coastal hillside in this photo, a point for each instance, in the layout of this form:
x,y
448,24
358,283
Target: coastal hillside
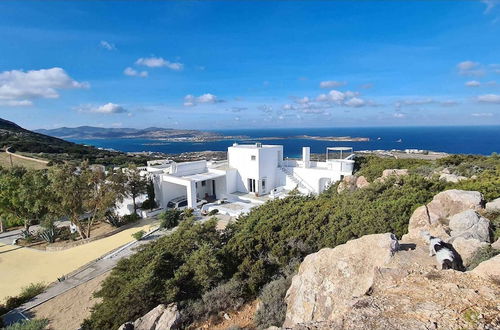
x,y
200,275
90,132
19,139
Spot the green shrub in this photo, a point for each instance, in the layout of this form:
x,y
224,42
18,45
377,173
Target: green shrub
x,y
188,212
138,235
34,324
481,255
224,297
487,182
27,293
129,218
272,309
149,204
169,218
371,166
176,268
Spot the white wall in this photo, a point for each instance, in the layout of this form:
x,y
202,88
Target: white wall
x,y
264,165
240,158
190,168
171,191
269,157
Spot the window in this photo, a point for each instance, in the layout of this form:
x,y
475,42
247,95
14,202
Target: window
x,y
263,185
183,203
253,157
203,183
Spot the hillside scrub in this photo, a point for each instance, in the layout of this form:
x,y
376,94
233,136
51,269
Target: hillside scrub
x,y
184,266
206,271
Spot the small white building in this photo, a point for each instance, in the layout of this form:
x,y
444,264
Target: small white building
x,y
252,173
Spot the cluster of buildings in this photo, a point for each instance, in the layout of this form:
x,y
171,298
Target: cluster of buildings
x,y
251,175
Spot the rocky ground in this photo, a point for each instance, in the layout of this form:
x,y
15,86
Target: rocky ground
x,y
376,282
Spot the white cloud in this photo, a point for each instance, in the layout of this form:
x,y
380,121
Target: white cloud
x,y
288,107
449,103
108,108
158,62
191,100
134,73
482,114
355,102
107,45
489,98
14,103
303,100
490,4
19,87
399,115
473,83
424,101
469,68
331,84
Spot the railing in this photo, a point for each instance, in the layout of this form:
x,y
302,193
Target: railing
x,y
296,178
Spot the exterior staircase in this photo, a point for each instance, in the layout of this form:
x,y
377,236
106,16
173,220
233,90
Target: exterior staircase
x,y
301,183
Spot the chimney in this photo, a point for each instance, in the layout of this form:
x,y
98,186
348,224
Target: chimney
x,y
306,156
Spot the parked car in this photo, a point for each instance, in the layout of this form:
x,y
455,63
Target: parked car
x,y
181,203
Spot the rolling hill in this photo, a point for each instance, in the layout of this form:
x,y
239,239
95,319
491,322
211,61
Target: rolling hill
x,y
56,149
90,132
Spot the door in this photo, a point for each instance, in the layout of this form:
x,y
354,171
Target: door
x,y
251,185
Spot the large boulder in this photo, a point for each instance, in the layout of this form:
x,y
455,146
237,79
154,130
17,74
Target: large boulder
x,y
489,269
347,184
159,318
328,280
433,217
496,244
361,285
493,206
469,224
361,182
467,248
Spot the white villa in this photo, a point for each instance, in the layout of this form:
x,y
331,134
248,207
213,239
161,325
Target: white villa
x,y
252,174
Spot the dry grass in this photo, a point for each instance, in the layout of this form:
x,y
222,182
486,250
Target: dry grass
x,y
5,162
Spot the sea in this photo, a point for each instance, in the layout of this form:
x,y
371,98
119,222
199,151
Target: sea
x,y
483,140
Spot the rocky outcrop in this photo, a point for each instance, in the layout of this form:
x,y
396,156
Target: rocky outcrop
x,y
159,318
347,184
489,269
452,177
467,248
362,182
469,224
351,183
330,279
493,206
434,217
391,173
355,286
496,245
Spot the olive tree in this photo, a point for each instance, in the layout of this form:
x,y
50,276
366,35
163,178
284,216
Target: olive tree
x,y
26,195
85,194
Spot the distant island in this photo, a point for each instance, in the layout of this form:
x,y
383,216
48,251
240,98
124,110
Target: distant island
x,y
171,135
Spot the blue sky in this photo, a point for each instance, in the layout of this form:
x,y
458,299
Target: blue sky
x,y
231,64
